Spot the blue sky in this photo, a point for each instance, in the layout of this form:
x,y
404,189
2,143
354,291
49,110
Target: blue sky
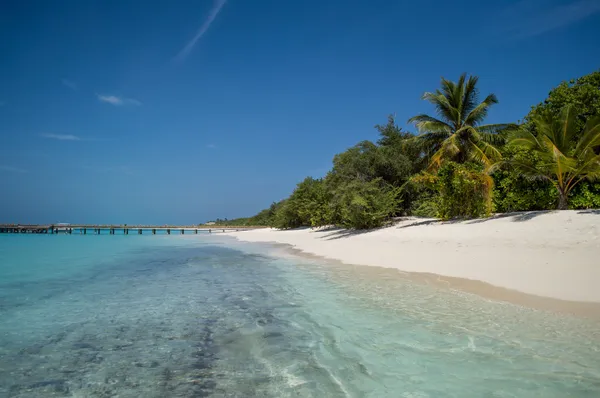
x,y
180,112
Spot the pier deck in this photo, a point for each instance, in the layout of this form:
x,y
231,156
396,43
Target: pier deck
x,y
84,229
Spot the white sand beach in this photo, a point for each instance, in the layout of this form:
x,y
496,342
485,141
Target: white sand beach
x,y
548,254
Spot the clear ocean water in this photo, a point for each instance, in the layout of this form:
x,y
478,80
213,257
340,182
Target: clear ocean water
x,y
205,316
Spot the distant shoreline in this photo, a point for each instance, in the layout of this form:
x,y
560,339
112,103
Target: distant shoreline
x,y
520,257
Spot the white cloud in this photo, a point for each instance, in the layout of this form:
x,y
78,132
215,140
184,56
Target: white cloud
x,y
72,85
214,11
61,137
12,169
111,99
118,101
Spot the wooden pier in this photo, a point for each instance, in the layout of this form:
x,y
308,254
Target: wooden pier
x,y
85,229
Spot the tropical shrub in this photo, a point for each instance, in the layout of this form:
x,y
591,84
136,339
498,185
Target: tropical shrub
x,y
366,204
585,196
464,190
514,192
558,156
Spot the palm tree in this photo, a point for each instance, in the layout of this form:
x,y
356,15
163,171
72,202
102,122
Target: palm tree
x,y
565,158
458,133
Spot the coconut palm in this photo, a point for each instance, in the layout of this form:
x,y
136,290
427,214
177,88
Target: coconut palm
x,y
458,133
564,157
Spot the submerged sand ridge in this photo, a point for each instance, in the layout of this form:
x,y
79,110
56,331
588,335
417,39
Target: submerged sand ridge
x,y
549,254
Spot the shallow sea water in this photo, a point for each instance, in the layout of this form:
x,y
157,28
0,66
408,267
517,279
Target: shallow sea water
x,y
205,316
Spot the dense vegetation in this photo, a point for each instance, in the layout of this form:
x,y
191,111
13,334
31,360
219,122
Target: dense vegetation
x,y
457,166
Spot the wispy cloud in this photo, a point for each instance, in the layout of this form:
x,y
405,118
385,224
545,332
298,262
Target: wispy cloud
x,y
211,146
12,169
118,101
61,137
71,84
529,18
214,11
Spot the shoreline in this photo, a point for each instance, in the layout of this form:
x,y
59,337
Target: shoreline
x,y
544,260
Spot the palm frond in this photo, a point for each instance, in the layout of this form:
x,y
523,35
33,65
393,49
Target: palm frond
x,y
434,136
500,165
529,170
489,138
522,138
479,112
470,98
443,106
459,116
588,168
449,90
568,128
459,97
448,149
484,153
591,136
426,123
497,128
563,163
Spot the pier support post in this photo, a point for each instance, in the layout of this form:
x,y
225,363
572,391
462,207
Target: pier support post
x,y
85,231
153,231
196,231
182,231
139,231
70,231
168,231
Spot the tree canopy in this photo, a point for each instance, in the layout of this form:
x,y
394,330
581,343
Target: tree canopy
x,y
459,133
458,166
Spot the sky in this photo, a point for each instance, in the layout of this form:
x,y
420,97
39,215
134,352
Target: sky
x,y
181,112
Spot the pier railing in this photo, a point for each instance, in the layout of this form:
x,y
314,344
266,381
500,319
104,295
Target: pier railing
x,y
84,229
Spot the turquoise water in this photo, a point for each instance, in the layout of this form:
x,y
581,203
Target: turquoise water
x,y
204,316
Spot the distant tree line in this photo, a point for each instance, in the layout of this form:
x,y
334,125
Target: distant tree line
x,y
457,166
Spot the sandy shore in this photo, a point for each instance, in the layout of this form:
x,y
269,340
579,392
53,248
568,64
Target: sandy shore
x,y
555,255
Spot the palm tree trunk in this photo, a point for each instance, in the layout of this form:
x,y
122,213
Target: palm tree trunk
x,y
563,203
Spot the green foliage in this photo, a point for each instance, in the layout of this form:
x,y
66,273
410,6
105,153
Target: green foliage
x,y
444,172
397,141
314,201
394,159
582,94
459,135
427,204
464,191
585,196
514,192
366,161
287,216
366,204
308,205
561,154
